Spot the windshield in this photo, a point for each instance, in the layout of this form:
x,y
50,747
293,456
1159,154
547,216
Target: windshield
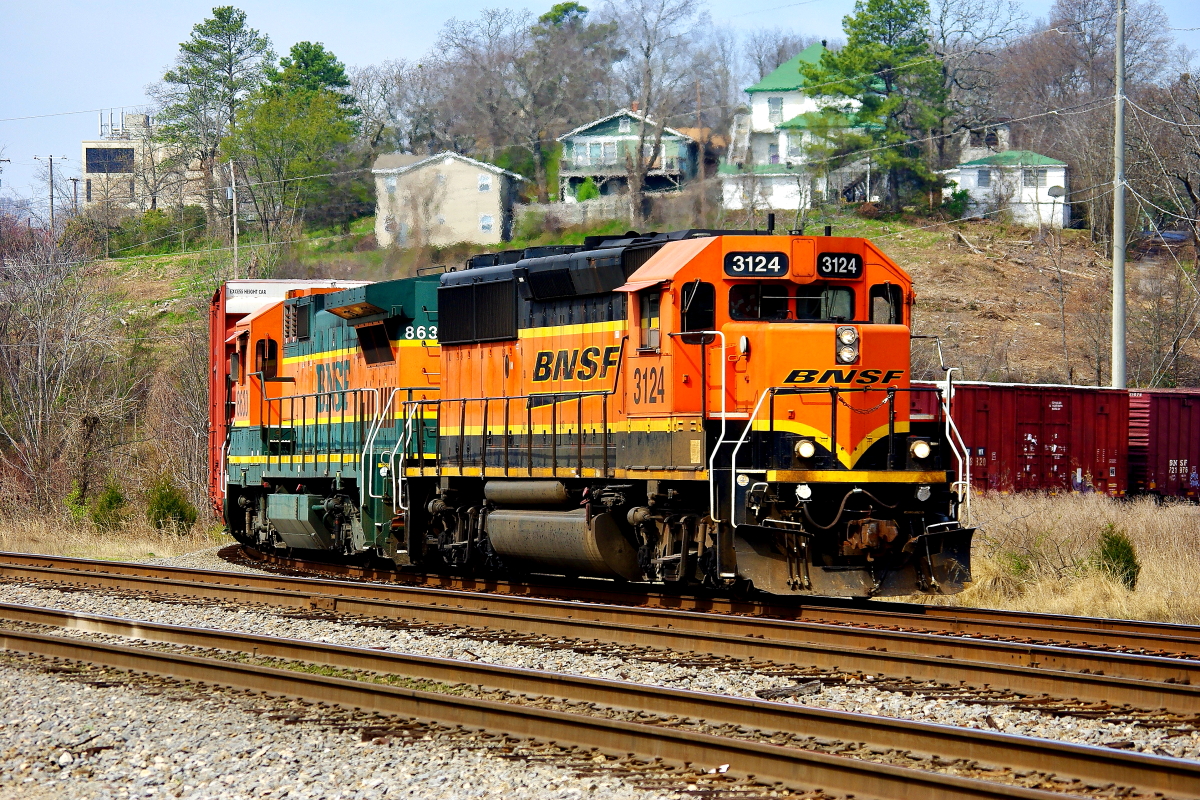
x,y
778,302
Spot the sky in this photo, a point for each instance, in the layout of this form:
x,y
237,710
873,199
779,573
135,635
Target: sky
x,y
83,55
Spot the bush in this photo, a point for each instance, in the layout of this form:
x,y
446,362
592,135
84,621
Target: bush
x,y
588,190
166,506
1117,556
956,206
107,510
869,211
74,503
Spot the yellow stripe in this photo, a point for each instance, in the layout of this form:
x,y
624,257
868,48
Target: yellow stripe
x,y
546,472
347,351
847,458
573,330
853,476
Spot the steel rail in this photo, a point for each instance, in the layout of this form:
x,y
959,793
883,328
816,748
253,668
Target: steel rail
x,y
1093,765
1028,669
763,762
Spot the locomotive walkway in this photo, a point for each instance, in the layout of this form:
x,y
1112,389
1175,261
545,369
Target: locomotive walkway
x,y
770,742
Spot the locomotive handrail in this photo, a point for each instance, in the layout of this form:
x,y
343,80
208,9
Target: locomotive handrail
x,y
963,456
367,467
402,443
712,458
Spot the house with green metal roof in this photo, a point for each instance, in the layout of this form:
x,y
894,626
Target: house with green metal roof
x,y
1028,187
603,149
765,166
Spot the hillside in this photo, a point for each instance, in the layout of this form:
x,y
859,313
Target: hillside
x,y
990,291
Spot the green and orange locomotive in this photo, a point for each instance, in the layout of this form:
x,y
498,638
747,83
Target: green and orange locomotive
x,y
716,408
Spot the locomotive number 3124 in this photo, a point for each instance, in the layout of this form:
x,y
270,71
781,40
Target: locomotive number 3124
x,y
756,265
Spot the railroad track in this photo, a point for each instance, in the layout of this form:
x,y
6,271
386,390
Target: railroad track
x,y
769,743
1155,691
1132,636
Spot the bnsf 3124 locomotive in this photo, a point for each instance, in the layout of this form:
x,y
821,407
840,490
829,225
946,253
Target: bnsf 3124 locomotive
x,y
694,408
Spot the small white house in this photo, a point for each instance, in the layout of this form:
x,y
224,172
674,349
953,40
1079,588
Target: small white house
x,y
1031,187
442,199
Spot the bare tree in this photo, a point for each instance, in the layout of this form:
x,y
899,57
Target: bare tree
x,y
766,49
63,375
656,37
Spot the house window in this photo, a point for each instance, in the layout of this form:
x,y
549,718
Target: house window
x,y
1034,178
623,126
486,221
441,220
610,152
595,153
649,324
795,144
581,154
389,183
775,110
485,182
983,179
773,153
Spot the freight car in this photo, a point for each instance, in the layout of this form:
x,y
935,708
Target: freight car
x,y
1164,442
700,407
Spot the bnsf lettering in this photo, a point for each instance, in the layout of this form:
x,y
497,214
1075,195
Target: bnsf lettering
x,y
333,380
574,365
864,377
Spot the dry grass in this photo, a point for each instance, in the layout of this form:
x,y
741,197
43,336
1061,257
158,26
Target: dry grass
x,y
134,540
1040,553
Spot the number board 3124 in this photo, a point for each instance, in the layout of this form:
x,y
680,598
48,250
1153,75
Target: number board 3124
x,y
756,265
839,265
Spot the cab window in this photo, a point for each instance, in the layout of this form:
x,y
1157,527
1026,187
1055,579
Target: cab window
x,y
649,324
266,358
699,307
887,304
766,300
817,303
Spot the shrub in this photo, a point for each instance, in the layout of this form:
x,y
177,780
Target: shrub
x,y
588,190
869,211
107,509
1117,556
956,206
74,503
166,506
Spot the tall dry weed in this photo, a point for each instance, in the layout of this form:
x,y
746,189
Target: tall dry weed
x,y
131,540
1047,553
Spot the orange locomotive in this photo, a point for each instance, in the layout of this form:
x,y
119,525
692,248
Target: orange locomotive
x,y
694,408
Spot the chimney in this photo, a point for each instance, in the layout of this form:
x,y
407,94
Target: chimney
x,y
633,106
825,43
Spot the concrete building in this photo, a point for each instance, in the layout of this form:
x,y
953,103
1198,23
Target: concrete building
x,y
127,169
1014,182
765,167
442,199
601,150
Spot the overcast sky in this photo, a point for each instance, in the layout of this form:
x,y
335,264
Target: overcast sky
x,y
81,55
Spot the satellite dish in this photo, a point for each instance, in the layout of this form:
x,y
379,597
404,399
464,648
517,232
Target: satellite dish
x,y
1056,191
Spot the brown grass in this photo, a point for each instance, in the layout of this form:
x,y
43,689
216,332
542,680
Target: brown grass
x,y
1040,553
134,540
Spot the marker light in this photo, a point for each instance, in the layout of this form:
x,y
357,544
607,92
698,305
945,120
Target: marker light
x,y
806,448
919,449
803,491
923,493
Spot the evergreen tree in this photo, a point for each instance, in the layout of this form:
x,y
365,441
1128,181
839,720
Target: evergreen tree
x,y
308,66
891,81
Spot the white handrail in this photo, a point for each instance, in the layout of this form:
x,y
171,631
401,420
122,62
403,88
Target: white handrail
x,y
733,458
225,467
712,459
367,466
398,472
963,455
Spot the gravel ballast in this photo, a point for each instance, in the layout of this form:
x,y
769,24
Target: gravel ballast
x,y
446,642
66,738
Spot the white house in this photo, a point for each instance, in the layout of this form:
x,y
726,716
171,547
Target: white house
x,y
765,167
442,199
1029,186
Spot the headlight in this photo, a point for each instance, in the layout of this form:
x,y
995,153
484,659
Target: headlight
x,y
920,449
923,493
803,491
847,355
806,448
847,335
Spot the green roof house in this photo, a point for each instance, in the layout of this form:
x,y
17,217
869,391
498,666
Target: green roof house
x,y
765,167
600,150
1028,187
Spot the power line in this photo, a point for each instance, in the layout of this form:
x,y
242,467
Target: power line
x,y
67,113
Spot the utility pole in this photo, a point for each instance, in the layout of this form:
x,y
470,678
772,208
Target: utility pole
x,y
4,161
233,214
53,236
1118,232
75,196
700,158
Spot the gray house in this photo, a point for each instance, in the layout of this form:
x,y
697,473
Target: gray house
x,y
442,199
602,150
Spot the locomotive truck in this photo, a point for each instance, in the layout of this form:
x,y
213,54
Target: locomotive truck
x,y
696,408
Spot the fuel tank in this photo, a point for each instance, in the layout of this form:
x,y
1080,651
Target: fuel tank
x,y
564,541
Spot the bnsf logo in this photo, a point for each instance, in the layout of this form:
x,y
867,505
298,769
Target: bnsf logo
x,y
570,365
864,377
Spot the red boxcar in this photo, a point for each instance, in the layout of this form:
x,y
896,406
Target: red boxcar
x,y
1026,438
1164,442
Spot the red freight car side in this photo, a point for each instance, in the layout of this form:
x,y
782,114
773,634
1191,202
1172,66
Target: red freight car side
x,y
1164,442
1025,438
